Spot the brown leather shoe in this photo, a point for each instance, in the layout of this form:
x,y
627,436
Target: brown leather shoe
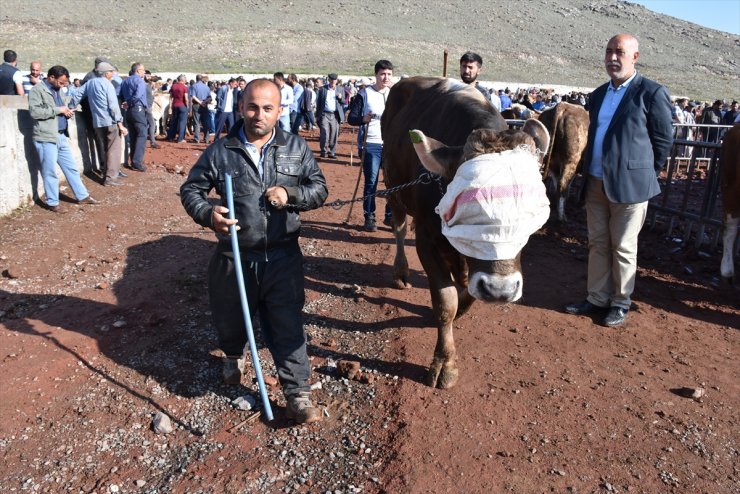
x,y
112,183
88,200
301,410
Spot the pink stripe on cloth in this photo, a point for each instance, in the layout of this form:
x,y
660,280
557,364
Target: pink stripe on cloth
x,y
491,192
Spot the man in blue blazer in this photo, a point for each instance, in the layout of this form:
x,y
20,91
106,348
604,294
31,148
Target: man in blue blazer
x,y
629,139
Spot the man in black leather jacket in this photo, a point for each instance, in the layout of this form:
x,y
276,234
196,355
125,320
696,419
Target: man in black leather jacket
x,y
275,176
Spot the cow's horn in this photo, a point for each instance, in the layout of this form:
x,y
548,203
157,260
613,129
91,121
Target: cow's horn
x,y
425,148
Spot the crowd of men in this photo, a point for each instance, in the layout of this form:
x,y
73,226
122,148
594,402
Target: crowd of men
x,y
278,175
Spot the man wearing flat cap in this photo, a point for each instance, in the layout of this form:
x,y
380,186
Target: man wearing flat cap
x,y
329,114
107,120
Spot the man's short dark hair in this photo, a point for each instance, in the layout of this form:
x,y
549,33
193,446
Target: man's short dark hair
x,y
57,71
383,65
9,56
279,75
134,68
469,57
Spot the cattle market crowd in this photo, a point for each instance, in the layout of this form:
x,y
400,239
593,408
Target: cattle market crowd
x,y
252,129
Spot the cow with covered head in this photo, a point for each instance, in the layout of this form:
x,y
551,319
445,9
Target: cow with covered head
x,y
473,219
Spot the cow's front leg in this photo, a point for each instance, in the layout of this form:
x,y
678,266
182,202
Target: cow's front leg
x,y
400,263
443,371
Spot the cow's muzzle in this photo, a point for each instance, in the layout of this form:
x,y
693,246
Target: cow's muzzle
x,y
496,288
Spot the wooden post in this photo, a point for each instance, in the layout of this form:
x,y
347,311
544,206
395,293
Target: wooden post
x,y
444,66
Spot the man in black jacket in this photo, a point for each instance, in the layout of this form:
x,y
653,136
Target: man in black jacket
x,y
329,115
275,175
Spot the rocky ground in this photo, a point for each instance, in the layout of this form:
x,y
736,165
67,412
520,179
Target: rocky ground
x,y
557,42
104,324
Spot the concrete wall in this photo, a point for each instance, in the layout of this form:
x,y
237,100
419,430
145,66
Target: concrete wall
x,y
20,181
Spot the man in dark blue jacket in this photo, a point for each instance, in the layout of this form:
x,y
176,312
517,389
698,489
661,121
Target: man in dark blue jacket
x,y
629,139
275,176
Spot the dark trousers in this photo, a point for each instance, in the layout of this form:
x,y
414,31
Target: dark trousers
x,y
200,119
275,294
151,127
137,125
302,116
177,123
223,119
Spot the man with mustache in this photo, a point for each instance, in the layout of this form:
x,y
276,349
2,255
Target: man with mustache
x,y
275,175
629,139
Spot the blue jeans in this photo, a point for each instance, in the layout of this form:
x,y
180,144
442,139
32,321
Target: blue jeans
x,y
284,122
371,169
178,123
212,121
51,154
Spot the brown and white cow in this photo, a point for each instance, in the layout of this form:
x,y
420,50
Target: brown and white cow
x,y
568,128
730,185
436,111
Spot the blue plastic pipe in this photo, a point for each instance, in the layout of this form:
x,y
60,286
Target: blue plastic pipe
x,y
243,297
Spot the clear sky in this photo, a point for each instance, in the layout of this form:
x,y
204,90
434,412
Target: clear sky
x,y
723,15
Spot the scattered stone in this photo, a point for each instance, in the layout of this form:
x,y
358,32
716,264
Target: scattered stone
x,y
367,378
11,273
348,368
331,343
103,285
693,393
111,227
162,424
245,403
140,483
316,385
271,381
114,488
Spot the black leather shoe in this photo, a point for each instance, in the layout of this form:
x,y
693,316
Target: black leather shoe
x,y
582,308
615,317
138,168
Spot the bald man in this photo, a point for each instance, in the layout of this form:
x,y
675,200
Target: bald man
x,y
275,176
629,139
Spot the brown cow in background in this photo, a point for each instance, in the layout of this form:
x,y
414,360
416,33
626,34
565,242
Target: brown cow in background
x,y
730,185
568,128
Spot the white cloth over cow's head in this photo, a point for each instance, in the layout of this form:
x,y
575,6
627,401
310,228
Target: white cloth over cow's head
x,y
493,204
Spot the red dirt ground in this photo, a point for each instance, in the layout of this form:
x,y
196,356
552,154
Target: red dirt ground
x,y
104,322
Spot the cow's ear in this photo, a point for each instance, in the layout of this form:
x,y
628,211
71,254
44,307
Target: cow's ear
x,y
541,136
435,156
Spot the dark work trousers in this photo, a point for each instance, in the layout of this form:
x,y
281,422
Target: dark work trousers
x,y
200,119
274,293
137,125
302,116
151,126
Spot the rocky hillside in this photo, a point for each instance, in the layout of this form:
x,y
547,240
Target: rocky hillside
x,y
535,42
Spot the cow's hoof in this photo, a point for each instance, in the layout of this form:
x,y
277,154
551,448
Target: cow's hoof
x,y
401,284
442,377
